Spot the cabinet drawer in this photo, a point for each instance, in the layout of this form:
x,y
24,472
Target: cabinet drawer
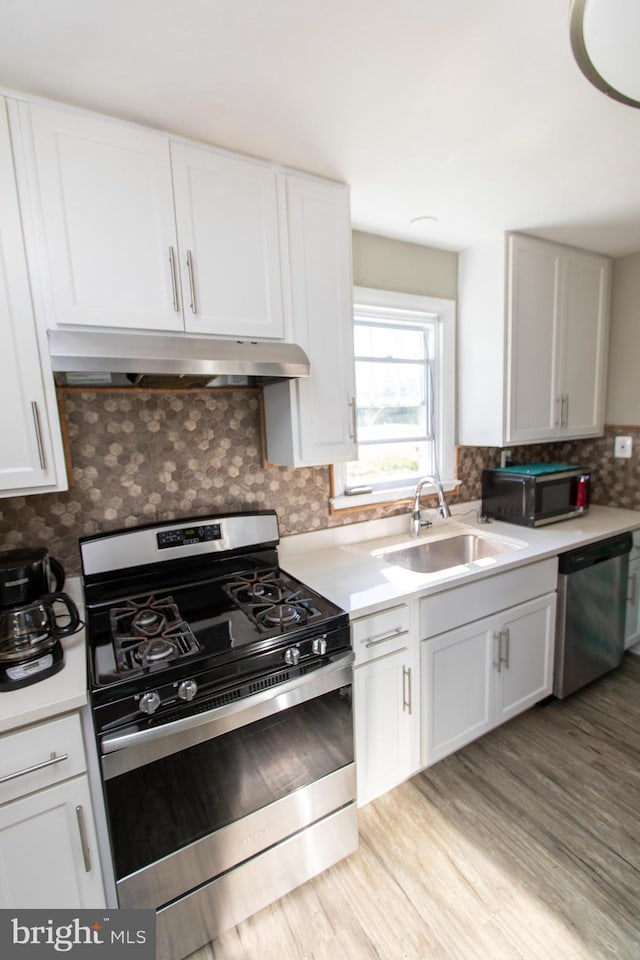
x,y
472,601
380,633
40,756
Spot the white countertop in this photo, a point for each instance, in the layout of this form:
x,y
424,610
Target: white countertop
x,y
64,691
357,578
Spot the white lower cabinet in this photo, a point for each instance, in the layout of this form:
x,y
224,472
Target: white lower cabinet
x,y
481,674
48,850
479,663
48,843
386,700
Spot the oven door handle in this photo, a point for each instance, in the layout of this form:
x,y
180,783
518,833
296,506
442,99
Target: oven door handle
x,y
179,734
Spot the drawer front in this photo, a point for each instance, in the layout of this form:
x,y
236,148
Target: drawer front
x,y
381,633
482,598
40,756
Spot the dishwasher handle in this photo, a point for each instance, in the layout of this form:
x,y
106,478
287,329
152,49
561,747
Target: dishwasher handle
x,y
588,556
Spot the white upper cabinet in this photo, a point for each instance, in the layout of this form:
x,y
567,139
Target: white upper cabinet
x,y
229,243
534,322
31,447
141,233
312,421
108,239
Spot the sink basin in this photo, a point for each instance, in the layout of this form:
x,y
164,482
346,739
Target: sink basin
x,y
430,557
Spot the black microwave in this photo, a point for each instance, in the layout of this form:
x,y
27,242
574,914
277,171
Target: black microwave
x,y
535,494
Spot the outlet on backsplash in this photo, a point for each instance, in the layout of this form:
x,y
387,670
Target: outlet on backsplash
x,y
622,447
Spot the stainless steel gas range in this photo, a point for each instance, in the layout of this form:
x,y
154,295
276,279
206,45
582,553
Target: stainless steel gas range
x,y
221,700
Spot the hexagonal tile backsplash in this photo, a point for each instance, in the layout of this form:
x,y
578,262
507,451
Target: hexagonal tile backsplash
x,y
142,456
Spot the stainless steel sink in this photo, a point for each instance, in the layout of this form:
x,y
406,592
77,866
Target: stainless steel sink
x,y
430,557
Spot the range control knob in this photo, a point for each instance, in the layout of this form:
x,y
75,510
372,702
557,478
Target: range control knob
x,y
187,689
291,656
319,646
149,701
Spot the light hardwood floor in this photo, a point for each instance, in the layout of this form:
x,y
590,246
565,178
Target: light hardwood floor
x,y
523,846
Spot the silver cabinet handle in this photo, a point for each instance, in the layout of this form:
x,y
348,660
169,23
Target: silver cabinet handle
x,y
497,650
633,583
353,419
192,286
174,280
36,423
82,829
374,641
504,635
565,410
406,689
37,766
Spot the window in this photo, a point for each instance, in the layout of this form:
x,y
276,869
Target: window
x,y
405,396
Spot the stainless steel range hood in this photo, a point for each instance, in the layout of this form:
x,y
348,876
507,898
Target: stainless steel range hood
x,y
136,355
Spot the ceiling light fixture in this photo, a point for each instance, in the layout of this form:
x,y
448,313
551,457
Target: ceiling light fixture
x,y
604,40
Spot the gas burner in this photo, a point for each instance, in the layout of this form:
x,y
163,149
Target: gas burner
x,y
280,615
157,649
148,622
150,633
269,602
255,588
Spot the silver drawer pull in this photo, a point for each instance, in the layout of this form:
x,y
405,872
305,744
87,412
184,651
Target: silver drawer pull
x,y
86,856
37,766
398,632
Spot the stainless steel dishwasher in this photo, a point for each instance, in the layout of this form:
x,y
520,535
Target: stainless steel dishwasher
x,y
592,592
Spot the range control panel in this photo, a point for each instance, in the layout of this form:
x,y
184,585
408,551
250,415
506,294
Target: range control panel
x,y
188,535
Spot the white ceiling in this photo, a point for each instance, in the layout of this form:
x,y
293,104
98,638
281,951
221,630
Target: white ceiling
x,y
473,112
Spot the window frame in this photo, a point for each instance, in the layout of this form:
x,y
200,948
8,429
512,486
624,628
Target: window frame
x,y
445,392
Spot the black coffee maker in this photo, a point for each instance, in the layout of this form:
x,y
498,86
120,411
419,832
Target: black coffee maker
x,y
34,615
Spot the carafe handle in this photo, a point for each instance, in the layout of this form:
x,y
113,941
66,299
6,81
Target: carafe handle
x,y
57,571
74,616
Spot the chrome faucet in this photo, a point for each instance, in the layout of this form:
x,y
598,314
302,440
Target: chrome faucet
x,y
443,506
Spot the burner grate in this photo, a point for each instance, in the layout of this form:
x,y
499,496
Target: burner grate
x,y
270,603
150,633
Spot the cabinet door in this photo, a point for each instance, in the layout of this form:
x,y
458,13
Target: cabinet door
x,y
632,622
526,643
229,240
26,455
384,724
583,351
312,421
457,688
48,850
533,325
108,223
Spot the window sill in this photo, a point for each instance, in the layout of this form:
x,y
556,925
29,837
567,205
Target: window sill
x,y
390,497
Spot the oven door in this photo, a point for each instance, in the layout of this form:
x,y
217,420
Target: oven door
x,y
189,800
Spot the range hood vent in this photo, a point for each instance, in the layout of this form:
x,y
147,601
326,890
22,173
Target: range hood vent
x,y
139,359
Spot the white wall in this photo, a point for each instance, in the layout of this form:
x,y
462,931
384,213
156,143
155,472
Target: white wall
x,y
623,391
386,264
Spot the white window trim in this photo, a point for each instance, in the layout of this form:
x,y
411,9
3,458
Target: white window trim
x,y
446,390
